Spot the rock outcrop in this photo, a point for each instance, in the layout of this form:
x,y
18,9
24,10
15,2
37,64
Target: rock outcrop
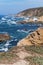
x,y
32,20
22,22
4,37
35,38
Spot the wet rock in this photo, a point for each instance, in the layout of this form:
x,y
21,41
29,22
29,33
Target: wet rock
x,y
4,37
22,22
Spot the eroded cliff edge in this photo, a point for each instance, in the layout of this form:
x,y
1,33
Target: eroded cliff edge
x,y
35,38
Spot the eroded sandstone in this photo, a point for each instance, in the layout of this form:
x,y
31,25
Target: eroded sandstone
x,y
35,38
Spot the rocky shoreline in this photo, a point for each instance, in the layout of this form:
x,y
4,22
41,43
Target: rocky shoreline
x,y
29,51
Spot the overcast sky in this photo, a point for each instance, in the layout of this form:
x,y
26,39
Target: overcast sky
x,y
15,6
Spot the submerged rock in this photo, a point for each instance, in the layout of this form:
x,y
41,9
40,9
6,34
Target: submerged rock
x,y
22,22
35,38
4,37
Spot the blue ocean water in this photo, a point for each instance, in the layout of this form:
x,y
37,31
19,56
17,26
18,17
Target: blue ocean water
x,y
8,25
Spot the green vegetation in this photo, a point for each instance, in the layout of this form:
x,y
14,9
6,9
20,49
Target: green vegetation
x,y
8,56
37,49
36,60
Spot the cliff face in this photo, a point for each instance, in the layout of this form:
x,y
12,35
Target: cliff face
x,y
32,12
35,38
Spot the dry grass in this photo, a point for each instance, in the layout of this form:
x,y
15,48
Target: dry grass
x,y
35,60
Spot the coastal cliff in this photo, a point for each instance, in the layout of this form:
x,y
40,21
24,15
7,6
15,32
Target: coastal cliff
x,y
29,51
35,38
31,15
32,12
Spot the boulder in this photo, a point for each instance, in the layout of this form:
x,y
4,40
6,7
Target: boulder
x,y
22,22
4,37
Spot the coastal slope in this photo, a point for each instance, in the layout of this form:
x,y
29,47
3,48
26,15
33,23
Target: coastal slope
x,y
31,15
35,38
32,12
29,51
26,55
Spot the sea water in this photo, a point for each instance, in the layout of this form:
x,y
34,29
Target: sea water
x,y
8,25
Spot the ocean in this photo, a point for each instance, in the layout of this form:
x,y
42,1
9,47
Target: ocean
x,y
9,25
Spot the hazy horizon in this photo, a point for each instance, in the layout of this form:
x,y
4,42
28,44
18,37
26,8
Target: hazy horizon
x,y
15,6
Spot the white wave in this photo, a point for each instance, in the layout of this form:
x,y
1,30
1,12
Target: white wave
x,y
18,30
13,22
3,32
22,31
9,41
12,36
9,22
4,49
27,18
3,19
28,31
15,39
7,44
2,22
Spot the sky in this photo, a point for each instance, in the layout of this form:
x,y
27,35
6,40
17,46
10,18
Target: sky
x,y
14,6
